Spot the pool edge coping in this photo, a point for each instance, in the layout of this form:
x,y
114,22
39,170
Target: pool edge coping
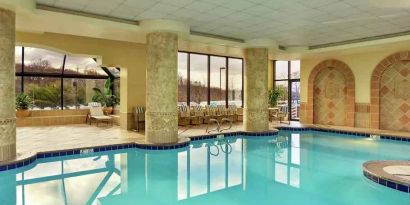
x,y
30,159
373,170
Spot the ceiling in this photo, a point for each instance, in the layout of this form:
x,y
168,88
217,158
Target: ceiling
x,y
289,22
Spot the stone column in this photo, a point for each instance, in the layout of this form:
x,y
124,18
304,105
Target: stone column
x,y
161,88
256,117
7,72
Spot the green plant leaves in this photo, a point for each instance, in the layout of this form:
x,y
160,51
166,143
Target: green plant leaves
x,y
23,102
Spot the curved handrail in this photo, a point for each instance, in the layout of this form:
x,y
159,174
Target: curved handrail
x,y
229,146
210,152
226,120
210,123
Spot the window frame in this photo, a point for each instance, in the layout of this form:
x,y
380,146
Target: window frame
x,y
188,100
61,76
289,81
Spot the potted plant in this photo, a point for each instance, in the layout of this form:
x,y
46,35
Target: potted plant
x,y
23,103
273,96
106,98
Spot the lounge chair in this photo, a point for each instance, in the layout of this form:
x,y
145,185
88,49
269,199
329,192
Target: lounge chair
x,y
139,116
208,113
184,117
231,113
282,114
97,115
239,114
197,115
221,112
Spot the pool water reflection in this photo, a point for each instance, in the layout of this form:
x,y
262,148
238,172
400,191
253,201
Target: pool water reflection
x,y
291,168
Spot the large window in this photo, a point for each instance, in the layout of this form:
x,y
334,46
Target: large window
x,y
59,81
287,79
198,69
218,80
182,78
215,80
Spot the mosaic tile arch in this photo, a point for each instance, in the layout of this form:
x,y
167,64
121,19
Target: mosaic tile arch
x,y
331,94
390,85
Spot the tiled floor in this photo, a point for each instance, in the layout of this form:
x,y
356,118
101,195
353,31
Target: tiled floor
x,y
41,139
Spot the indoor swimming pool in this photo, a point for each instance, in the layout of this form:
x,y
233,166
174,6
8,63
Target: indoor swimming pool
x,y
306,167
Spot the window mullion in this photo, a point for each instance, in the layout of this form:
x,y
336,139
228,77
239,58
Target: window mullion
x,y
188,79
62,84
22,69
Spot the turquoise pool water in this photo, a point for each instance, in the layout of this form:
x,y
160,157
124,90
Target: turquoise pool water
x,y
290,168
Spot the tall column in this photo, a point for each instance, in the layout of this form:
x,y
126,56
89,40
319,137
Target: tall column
x,y
161,93
256,117
7,98
161,117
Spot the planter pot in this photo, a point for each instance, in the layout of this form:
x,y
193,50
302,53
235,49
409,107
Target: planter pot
x,y
23,113
108,110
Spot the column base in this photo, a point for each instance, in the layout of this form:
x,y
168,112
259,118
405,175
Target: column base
x,y
7,152
256,120
7,139
161,127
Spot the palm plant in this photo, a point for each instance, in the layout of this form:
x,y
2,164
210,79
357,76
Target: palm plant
x,y
23,102
274,95
105,96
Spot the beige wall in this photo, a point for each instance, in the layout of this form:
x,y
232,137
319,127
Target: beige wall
x,y
131,57
270,74
362,61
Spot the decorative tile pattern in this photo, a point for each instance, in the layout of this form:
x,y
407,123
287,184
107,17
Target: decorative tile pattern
x,y
395,97
397,61
362,115
256,90
161,88
331,94
329,97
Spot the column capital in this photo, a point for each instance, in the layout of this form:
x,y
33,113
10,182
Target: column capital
x,y
261,43
165,25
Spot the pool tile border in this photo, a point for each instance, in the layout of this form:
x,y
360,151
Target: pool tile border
x,y
387,183
356,133
96,149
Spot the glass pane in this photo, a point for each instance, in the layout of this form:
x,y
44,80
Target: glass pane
x,y
217,167
18,85
281,71
17,58
182,78
79,92
235,82
283,97
82,66
235,164
281,173
199,76
37,60
218,80
114,71
182,175
45,92
198,170
295,100
295,69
